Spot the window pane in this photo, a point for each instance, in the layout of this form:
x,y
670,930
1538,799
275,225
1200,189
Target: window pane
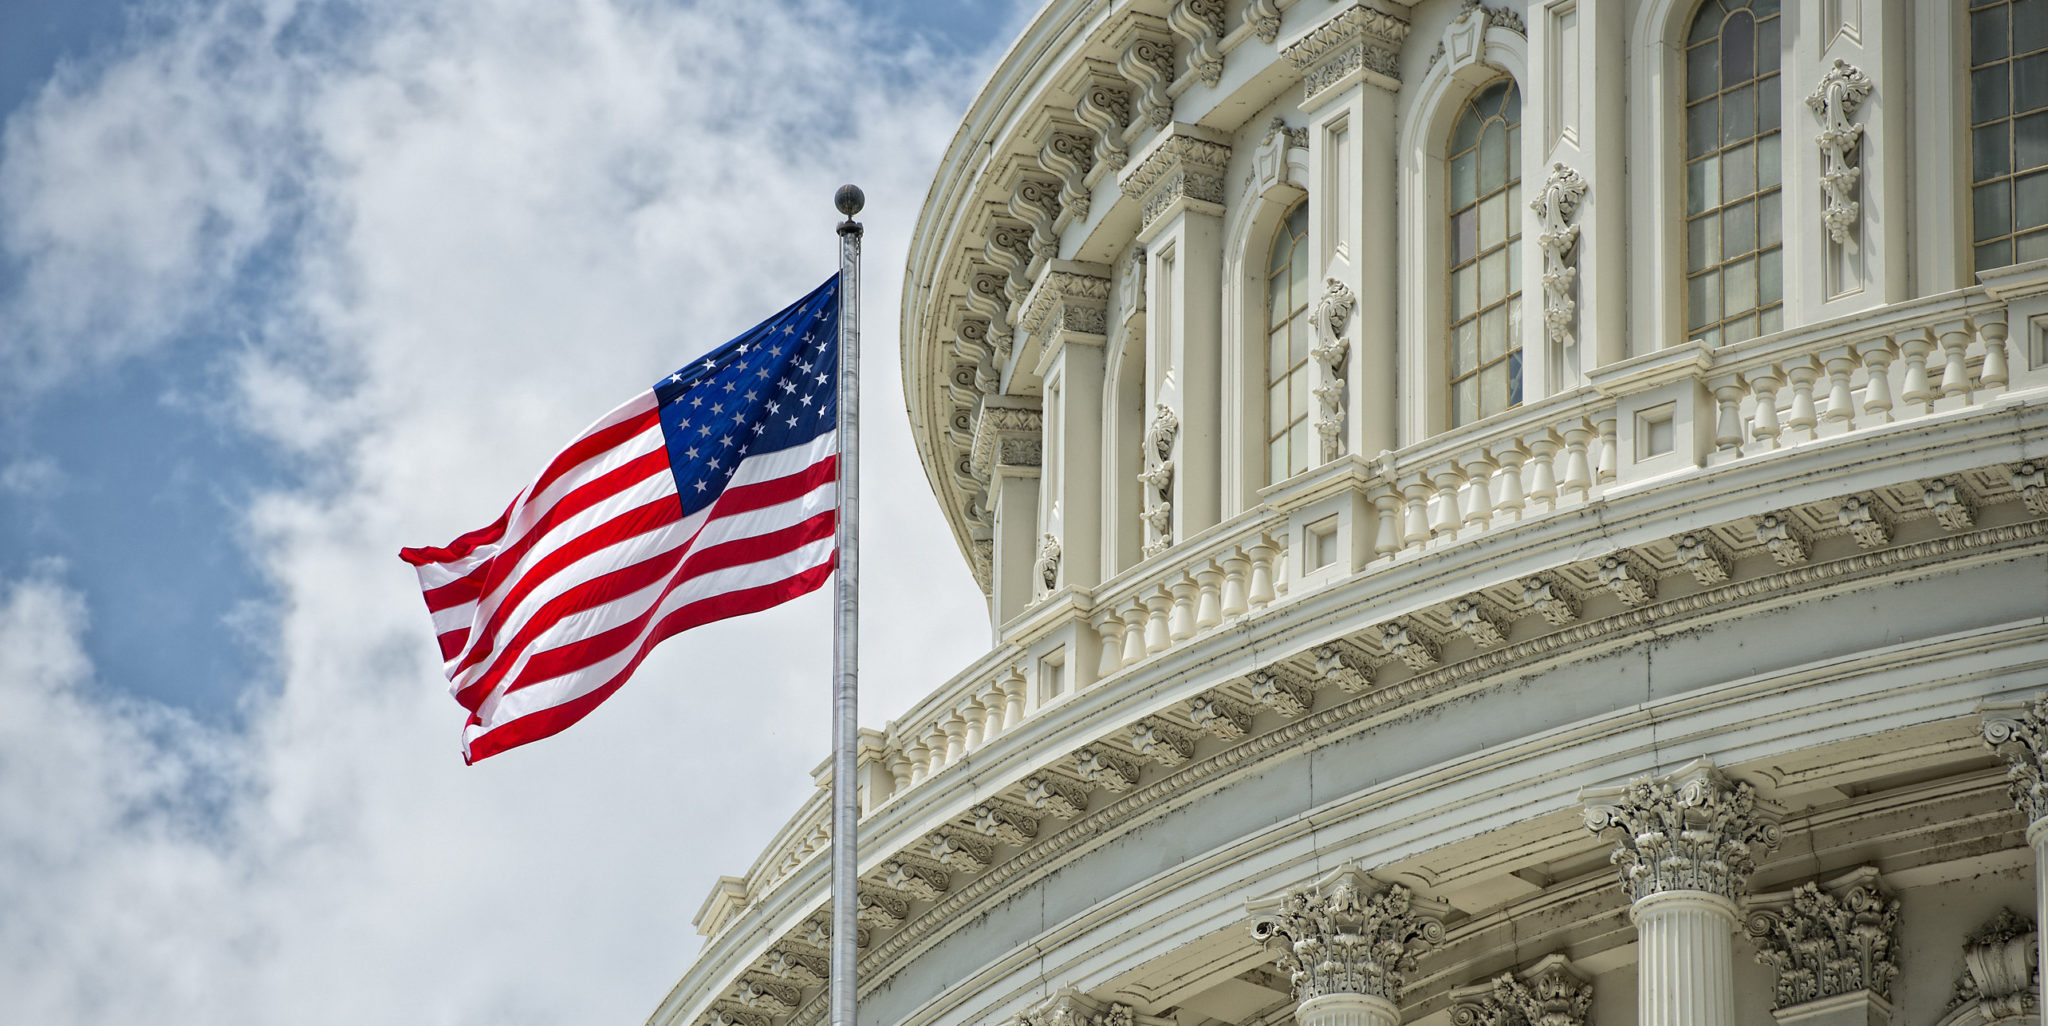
x,y
1991,146
1741,329
1738,173
1702,128
1703,299
2029,28
2031,246
1465,347
1493,333
1738,50
1514,263
1466,135
1766,44
1770,278
1702,184
1764,8
2030,201
1465,401
1702,243
1993,213
1987,93
1738,287
1276,302
1770,320
1515,377
1493,158
1493,277
1493,389
1987,35
1276,461
1464,175
1297,446
1997,254
2030,82
1738,114
1738,229
1767,111
1276,356
1707,21
1465,290
2031,137
1770,226
1465,235
1276,404
1767,170
1702,71
1299,335
1515,322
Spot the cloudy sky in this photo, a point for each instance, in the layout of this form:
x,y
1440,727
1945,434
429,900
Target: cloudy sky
x,y
286,285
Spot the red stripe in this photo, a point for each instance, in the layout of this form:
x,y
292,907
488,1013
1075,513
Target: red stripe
x,y
552,720
451,643
762,494
428,554
464,589
582,652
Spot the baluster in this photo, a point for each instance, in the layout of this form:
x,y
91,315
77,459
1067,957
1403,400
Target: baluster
x,y
1877,386
1157,606
1262,573
1913,348
899,769
1445,516
1237,568
1387,541
945,747
1507,491
992,699
920,761
1608,465
1763,424
1109,639
1479,491
974,715
1180,622
1578,476
1134,632
1543,468
1013,698
1208,605
1728,417
1841,404
1993,373
1277,573
956,737
1955,366
1802,417
1415,526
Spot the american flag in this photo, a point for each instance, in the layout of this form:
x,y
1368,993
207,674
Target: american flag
x,y
710,495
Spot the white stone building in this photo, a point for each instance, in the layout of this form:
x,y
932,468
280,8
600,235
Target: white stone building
x,y
1523,512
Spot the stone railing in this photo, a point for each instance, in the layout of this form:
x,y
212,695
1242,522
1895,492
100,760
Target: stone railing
x,y
1233,570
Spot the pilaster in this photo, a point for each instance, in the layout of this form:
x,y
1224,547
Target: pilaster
x,y
1008,448
1065,326
1832,946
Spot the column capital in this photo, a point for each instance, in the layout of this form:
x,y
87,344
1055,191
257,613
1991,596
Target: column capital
x,y
1183,169
1550,993
1690,830
1828,939
1348,934
2018,731
1360,42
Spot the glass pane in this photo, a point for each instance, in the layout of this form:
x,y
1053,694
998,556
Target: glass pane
x,y
2030,82
1514,266
1465,235
1702,184
1493,277
1738,229
1465,402
2030,201
1702,243
1766,44
1738,115
1703,299
1297,281
1707,22
1493,220
1991,146
1493,389
1465,291
1515,378
2031,134
1987,35
1283,245
1463,179
1738,287
1276,462
1514,151
1276,406
1702,72
1465,347
1515,207
1277,307
1767,169
1297,448
1712,337
1997,254
1487,103
1765,8
1466,135
1511,110
1767,111
1493,333
1770,221
1741,329
1987,93
2031,246
1770,278
1738,50
1738,173
1493,158
1276,356
1702,128
1770,320
1299,336
1515,322
1993,210
2029,29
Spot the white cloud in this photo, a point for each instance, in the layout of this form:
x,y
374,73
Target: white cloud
x,y
496,220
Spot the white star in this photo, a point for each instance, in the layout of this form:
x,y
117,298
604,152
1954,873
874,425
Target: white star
x,y
744,347
806,400
792,422
761,373
806,367
691,452
713,464
788,329
759,427
677,376
700,486
709,363
696,400
774,407
728,386
705,430
821,379
725,440
739,418
718,407
752,395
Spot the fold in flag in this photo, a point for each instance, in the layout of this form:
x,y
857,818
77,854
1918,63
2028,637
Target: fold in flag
x,y
710,495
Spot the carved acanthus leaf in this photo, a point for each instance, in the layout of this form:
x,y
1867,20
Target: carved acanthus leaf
x,y
1703,557
1347,936
1106,769
1162,742
1055,795
1338,666
1331,315
1834,102
1220,716
1822,943
1782,538
1694,830
1866,521
1557,207
1281,694
1006,825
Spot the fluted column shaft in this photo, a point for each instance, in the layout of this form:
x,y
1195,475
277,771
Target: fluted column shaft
x,y
2018,731
2037,835
1685,959
1347,1010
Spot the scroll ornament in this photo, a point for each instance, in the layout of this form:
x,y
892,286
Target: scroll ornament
x,y
1822,945
1695,832
1557,207
1157,478
1330,317
1344,940
1048,565
1834,102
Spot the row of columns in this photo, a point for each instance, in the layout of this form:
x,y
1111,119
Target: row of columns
x,y
1686,844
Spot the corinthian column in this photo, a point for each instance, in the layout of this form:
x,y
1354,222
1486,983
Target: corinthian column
x,y
1688,844
2019,732
1348,943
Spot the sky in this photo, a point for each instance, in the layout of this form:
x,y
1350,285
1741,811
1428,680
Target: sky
x,y
286,285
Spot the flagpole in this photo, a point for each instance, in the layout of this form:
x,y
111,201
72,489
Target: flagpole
x,y
846,617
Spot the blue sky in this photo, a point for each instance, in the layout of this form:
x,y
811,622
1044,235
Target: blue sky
x,y
288,284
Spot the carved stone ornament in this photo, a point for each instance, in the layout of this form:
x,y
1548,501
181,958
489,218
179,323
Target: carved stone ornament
x,y
1347,936
1281,694
1147,64
1006,825
1105,108
1557,207
1551,599
1047,569
1834,102
1181,168
1270,168
917,880
1475,618
963,853
1157,477
1066,302
1950,503
1998,968
1357,39
1629,578
2018,732
1220,716
1694,830
1339,667
1162,742
1071,156
1006,435
1055,796
1200,22
1106,769
2030,481
1782,538
802,969
1825,942
1866,521
1410,644
1332,314
1703,557
1263,18
1550,993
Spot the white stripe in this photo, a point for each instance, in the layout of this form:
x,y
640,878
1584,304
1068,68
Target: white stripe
x,y
767,466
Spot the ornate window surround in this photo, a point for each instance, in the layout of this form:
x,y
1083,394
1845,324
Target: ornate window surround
x,y
1430,113
1248,237
1123,417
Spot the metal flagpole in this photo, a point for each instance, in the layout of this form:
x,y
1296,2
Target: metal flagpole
x,y
846,615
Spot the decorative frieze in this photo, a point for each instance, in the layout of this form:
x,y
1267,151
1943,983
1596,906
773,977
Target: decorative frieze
x,y
1180,169
1998,968
1007,435
1782,538
1834,102
1200,22
1280,693
1055,796
1220,717
1332,313
1557,207
1826,941
1347,935
1694,830
1550,993
1157,478
1357,39
1066,302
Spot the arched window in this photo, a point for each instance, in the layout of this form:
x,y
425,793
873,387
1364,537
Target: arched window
x,y
2009,131
1289,375
1734,254
1484,243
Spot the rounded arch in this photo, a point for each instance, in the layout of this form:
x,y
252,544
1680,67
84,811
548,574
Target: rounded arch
x,y
1656,238
1475,55
1248,236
